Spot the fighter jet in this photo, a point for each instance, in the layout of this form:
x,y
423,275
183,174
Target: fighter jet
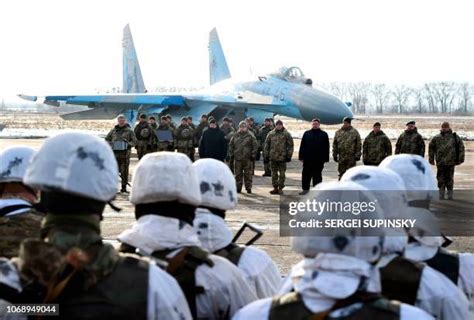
x,y
286,92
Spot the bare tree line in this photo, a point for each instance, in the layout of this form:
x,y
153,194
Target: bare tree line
x,y
430,97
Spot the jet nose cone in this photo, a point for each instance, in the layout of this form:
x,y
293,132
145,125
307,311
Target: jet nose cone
x,y
325,106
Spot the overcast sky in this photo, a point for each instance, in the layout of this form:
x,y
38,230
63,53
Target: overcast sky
x,y
75,46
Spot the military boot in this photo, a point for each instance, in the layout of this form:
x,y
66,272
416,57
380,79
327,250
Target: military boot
x,y
267,174
450,195
249,190
441,194
275,190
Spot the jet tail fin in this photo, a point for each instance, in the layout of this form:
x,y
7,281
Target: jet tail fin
x,y
132,81
218,69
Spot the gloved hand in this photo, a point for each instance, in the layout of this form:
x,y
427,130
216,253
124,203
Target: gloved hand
x,y
288,159
266,160
335,158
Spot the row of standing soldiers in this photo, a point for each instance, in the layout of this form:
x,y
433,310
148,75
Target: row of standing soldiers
x,y
148,136
241,147
446,150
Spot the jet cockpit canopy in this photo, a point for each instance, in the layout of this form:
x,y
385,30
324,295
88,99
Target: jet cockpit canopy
x,y
292,74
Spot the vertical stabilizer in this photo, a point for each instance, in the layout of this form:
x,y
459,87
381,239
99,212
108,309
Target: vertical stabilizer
x,y
218,69
132,81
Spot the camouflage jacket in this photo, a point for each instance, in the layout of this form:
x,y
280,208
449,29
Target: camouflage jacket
x,y
410,142
376,147
447,149
243,146
165,144
143,133
153,140
184,137
14,229
278,145
124,133
346,144
253,130
228,132
262,135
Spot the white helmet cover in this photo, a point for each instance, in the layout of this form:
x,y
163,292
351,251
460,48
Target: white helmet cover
x,y
394,204
415,172
217,184
76,163
13,163
376,179
165,176
420,184
368,248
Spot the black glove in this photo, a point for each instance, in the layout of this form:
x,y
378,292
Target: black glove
x,y
266,160
335,158
288,159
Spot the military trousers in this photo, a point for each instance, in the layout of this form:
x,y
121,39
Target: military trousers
x,y
243,173
266,168
231,164
445,177
141,151
345,164
123,161
311,171
278,169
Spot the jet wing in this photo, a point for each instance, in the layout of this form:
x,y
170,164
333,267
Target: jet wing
x,y
125,100
132,101
110,105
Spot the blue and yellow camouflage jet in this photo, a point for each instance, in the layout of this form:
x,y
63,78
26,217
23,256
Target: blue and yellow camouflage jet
x,y
286,92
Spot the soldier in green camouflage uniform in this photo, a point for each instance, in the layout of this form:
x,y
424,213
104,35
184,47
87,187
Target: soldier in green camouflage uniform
x,y
376,147
122,133
170,121
143,133
203,124
262,135
165,145
252,128
184,138
447,149
190,122
18,219
278,151
228,131
410,141
153,146
193,127
243,148
346,147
